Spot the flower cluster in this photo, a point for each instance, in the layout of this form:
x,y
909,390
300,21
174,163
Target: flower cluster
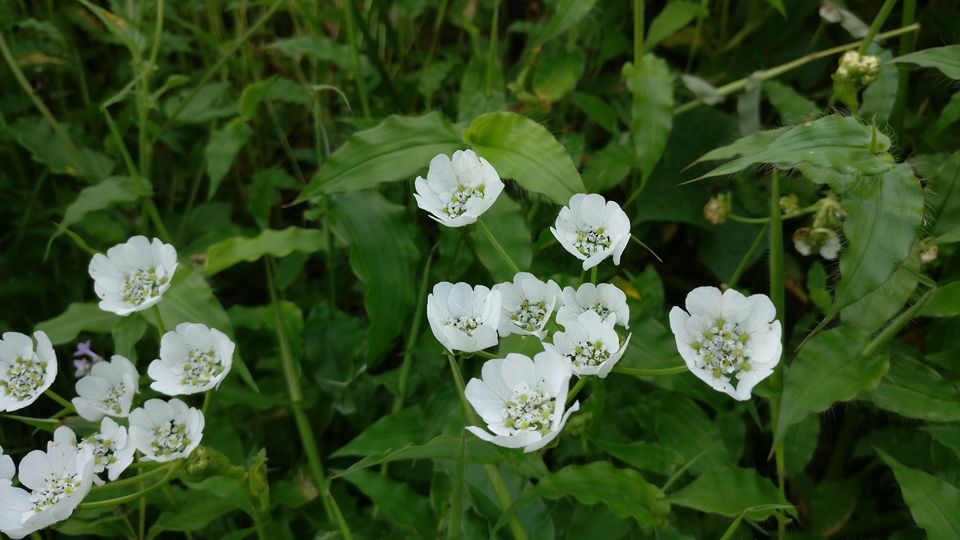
x,y
131,277
729,341
859,69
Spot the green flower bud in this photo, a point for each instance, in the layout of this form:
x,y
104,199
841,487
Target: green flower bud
x,y
718,208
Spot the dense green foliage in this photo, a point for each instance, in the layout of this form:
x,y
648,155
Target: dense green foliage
x,y
275,145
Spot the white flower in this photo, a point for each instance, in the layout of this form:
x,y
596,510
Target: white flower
x,y
108,390
111,448
25,371
606,300
193,358
456,192
526,304
134,275
522,401
464,318
57,480
590,344
818,239
729,341
7,469
592,229
165,430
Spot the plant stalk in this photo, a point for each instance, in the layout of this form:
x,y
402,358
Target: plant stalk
x,y
778,299
878,21
496,245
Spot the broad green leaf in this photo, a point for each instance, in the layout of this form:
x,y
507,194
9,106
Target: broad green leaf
x,y
113,190
675,15
944,302
800,443
525,151
947,116
913,389
34,134
401,506
557,73
625,491
946,59
278,243
946,434
396,149
608,167
128,35
475,98
206,103
827,369
598,110
728,492
391,432
319,48
884,214
253,95
78,318
383,256
193,513
943,191
683,426
933,503
883,303
567,15
646,456
792,106
126,334
837,144
652,112
505,220
879,97
222,149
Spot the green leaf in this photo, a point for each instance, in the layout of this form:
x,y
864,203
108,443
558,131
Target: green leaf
x,y
947,435
598,110
568,14
78,318
705,92
126,334
778,5
401,506
278,243
836,144
728,492
883,303
34,134
933,503
557,73
946,59
879,97
682,425
253,95
624,491
525,151
222,149
827,369
98,197
674,16
208,102
320,48
121,29
391,432
646,456
914,390
943,190
608,167
946,116
197,510
396,149
383,256
792,106
652,112
884,214
505,221
944,302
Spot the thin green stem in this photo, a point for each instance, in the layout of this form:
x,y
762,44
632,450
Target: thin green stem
x,y
117,501
658,372
593,275
581,382
143,96
877,23
145,474
496,245
493,474
413,334
773,72
456,494
351,27
492,50
58,398
895,326
161,330
747,257
646,247
778,298
908,15
638,33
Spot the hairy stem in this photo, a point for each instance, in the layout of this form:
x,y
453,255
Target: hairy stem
x,y
777,297
878,21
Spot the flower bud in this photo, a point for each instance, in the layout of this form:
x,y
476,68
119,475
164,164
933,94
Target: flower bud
x,y
205,462
718,208
789,204
817,239
929,253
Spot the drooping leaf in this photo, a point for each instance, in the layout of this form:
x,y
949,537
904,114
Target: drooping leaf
x,y
506,222
129,36
933,503
201,105
913,389
827,369
675,15
792,106
278,243
944,302
525,151
946,59
557,73
652,113
728,492
625,491
113,190
883,303
383,256
34,134
222,149
78,318
396,149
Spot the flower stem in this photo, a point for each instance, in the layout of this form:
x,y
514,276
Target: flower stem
x,y
895,326
593,275
777,297
496,245
638,372
878,21
160,328
58,398
742,267
773,72
492,50
646,247
109,503
581,382
358,76
296,405
493,473
413,334
637,32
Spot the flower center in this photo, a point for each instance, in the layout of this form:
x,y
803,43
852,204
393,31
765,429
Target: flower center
x,y
58,486
458,199
529,410
23,377
102,449
200,368
169,438
111,401
589,354
592,241
530,316
722,349
466,324
601,310
141,285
